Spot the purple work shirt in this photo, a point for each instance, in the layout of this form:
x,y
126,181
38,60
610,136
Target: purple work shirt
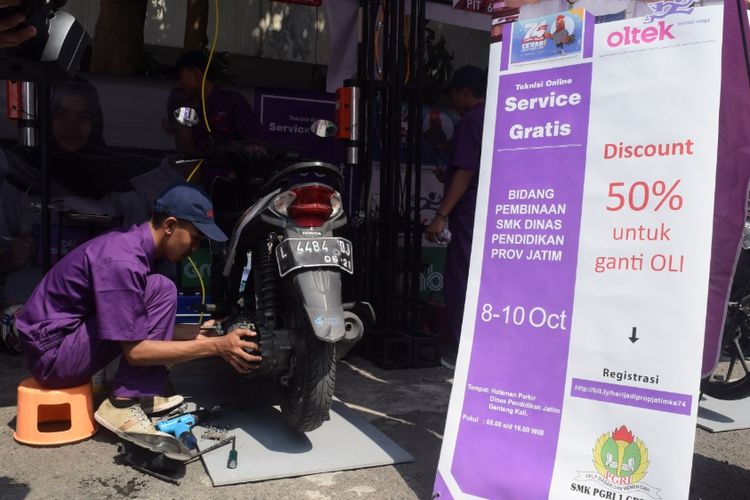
x,y
467,150
104,279
231,119
466,145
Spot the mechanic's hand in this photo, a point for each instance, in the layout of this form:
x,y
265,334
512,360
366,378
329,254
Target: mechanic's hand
x,y
10,34
435,228
233,346
21,249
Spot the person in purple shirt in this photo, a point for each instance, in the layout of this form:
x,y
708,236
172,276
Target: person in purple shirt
x,y
103,300
467,91
229,114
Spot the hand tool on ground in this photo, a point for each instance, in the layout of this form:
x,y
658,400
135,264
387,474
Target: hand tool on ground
x,y
180,426
167,467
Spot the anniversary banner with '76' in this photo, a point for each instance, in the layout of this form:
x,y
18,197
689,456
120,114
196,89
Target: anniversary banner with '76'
x,y
612,193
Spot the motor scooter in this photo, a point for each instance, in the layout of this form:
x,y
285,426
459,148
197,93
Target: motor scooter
x,y
281,271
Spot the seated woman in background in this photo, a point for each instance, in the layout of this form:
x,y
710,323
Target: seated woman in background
x,y
76,126
77,119
78,159
93,179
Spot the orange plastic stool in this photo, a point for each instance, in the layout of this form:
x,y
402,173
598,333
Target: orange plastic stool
x,y
54,416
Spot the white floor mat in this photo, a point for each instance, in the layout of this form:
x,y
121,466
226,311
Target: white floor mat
x,y
269,449
715,415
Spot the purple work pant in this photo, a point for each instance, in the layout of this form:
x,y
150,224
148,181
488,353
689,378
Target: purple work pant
x,y
82,353
456,273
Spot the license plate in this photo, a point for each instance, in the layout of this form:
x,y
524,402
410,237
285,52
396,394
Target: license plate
x,y
297,253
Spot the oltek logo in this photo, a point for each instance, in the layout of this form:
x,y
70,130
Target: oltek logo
x,y
631,35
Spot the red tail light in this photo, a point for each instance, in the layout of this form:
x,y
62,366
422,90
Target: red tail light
x,y
309,206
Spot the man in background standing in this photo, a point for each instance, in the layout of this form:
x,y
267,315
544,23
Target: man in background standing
x,y
229,114
467,91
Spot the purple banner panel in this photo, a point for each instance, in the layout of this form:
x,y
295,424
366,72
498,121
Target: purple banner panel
x,y
649,399
441,489
516,377
588,33
505,48
732,177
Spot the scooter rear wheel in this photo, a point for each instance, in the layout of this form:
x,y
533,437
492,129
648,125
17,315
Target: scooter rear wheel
x,y
306,401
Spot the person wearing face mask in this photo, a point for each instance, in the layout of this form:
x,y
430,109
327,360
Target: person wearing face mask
x,y
103,300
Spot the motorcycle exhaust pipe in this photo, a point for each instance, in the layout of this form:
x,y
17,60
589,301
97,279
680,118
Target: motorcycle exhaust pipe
x,y
354,329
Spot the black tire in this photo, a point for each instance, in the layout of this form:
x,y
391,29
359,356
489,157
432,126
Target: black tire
x,y
306,401
734,351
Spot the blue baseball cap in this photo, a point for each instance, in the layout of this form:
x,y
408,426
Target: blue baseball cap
x,y
189,203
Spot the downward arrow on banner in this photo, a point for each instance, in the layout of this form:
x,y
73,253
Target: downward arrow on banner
x,y
633,338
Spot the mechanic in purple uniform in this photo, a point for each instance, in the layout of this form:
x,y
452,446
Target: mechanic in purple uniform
x,y
467,91
103,300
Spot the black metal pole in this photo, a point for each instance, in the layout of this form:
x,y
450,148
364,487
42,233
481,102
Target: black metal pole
x,y
396,83
419,98
386,171
363,167
369,93
43,107
411,139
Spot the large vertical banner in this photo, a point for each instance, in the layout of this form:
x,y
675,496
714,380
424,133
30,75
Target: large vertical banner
x,y
583,330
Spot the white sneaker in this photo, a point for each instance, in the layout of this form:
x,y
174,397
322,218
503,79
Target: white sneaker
x,y
125,420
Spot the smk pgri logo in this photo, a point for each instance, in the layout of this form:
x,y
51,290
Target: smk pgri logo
x,y
620,457
621,462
